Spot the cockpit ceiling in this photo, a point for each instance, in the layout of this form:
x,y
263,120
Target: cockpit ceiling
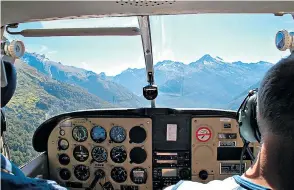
x,y
26,11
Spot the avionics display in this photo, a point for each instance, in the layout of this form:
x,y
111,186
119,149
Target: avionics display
x,y
169,172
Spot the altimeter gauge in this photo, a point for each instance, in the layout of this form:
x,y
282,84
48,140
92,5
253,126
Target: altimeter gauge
x,y
118,134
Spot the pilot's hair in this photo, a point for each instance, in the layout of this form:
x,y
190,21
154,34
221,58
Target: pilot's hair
x,y
276,100
276,123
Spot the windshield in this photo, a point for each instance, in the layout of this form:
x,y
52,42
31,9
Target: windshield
x,y
200,61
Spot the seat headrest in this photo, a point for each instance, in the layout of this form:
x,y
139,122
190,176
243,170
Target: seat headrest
x,y
8,91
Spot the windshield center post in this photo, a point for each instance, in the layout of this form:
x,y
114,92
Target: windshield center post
x,y
144,24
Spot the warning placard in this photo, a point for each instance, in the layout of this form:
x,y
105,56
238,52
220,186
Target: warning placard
x,y
171,132
203,134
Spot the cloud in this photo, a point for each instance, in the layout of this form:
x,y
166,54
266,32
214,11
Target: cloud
x,y
51,52
43,49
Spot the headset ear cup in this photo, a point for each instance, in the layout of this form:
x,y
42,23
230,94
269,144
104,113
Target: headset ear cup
x,y
253,117
248,126
8,91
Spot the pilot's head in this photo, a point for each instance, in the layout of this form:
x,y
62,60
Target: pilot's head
x,y
276,123
276,101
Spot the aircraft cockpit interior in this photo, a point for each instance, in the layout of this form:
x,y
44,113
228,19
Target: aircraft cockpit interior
x,y
121,148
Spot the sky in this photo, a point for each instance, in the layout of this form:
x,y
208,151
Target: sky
x,y
184,38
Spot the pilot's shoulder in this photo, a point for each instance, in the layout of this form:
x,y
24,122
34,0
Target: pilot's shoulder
x,y
227,184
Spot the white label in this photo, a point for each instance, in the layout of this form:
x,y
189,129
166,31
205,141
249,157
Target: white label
x,y
171,132
225,119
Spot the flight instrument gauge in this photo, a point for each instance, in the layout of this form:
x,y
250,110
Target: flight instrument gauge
x,y
117,134
63,144
80,153
118,154
98,134
99,154
119,174
139,175
64,174
64,159
82,172
80,133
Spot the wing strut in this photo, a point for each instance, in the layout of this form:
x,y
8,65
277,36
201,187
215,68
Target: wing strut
x,y
144,25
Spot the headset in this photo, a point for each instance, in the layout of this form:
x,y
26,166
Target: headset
x,y
248,126
246,116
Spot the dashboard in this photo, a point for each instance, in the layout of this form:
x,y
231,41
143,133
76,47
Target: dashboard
x,y
139,149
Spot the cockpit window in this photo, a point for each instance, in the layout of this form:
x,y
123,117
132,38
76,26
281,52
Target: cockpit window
x,y
200,61
212,60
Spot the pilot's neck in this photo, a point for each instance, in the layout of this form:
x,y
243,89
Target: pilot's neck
x,y
266,170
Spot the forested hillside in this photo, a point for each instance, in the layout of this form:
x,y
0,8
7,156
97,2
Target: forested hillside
x,y
36,99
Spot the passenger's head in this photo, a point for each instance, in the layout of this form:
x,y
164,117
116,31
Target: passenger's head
x,y
276,123
276,100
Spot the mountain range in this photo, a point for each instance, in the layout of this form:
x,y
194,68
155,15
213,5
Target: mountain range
x,y
97,84
208,82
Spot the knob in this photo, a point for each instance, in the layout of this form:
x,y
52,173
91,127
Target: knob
x,y
203,174
184,173
100,173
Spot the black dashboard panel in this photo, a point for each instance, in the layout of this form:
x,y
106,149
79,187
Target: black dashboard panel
x,y
159,132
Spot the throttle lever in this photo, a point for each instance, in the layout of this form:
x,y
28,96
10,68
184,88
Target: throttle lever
x,y
99,174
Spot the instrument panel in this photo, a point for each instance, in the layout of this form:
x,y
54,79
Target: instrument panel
x,y
110,152
145,152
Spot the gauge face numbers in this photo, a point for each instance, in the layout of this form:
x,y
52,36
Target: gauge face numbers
x,y
119,174
99,154
64,174
118,154
64,159
81,153
139,175
82,172
80,133
117,134
98,134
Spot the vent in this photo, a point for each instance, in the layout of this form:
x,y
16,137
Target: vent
x,y
144,3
